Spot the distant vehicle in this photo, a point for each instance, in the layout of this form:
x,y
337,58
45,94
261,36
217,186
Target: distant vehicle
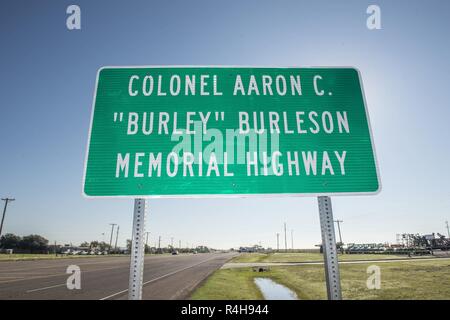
x,y
194,252
83,253
175,252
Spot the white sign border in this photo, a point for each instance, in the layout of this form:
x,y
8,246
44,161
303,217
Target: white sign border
x,y
234,195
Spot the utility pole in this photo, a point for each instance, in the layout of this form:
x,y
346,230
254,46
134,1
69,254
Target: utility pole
x,y
278,241
285,238
179,244
339,229
117,236
292,239
171,242
159,242
448,230
146,240
112,231
4,211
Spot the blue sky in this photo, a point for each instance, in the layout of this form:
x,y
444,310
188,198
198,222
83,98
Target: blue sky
x,y
47,81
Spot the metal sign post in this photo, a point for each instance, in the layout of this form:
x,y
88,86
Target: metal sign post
x,y
137,250
329,249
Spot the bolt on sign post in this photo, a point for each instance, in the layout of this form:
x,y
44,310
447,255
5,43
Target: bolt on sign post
x,y
188,131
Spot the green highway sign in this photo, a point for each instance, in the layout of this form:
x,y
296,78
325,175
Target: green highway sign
x,y
229,131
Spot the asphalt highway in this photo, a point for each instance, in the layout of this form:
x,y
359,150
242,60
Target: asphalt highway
x,y
103,278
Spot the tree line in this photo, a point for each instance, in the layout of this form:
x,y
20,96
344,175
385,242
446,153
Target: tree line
x,y
32,243
35,243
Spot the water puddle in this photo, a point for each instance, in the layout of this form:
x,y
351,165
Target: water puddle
x,y
274,291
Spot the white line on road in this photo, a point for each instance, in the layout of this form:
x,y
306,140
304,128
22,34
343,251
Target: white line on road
x,y
45,288
158,278
63,274
64,260
102,269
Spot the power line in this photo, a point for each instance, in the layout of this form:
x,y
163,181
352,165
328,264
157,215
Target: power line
x,y
4,211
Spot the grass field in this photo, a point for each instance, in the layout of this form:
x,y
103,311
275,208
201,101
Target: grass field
x,y
399,280
304,257
228,284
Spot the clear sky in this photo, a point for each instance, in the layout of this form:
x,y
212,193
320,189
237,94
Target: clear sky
x,y
47,77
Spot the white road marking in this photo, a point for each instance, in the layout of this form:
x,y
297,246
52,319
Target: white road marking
x,y
33,278
56,275
124,259
66,260
158,278
8,279
45,288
